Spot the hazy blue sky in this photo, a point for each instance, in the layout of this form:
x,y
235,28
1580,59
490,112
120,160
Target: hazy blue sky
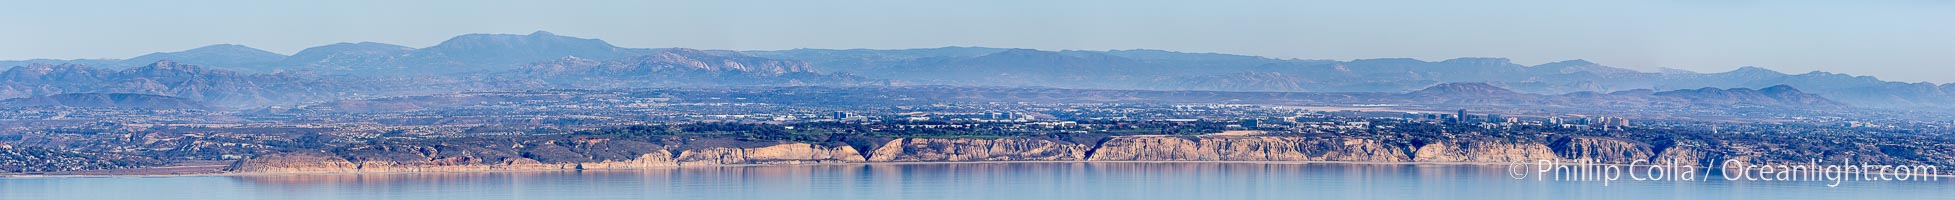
x,y
1895,40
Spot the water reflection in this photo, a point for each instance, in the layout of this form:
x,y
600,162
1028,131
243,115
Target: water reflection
x,y
950,181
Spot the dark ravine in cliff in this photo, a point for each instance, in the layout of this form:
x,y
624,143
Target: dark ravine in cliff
x,y
618,154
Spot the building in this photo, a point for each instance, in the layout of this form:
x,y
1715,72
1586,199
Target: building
x,y
1462,115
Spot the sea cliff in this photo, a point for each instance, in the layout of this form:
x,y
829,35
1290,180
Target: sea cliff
x,y
1246,148
789,153
967,149
586,155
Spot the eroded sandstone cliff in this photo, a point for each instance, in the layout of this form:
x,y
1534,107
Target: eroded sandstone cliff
x,y
303,162
1602,150
793,153
1246,148
1683,156
599,154
790,153
1483,152
967,149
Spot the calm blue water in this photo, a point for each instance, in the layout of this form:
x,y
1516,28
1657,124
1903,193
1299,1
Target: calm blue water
x,y
955,181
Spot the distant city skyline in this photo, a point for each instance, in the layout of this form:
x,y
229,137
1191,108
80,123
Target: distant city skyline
x,y
1892,40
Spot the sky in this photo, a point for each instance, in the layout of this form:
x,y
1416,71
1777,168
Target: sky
x,y
1895,40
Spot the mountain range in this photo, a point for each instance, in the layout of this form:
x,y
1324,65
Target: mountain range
x,y
234,88
107,100
680,67
169,79
1165,70
236,75
1779,96
465,53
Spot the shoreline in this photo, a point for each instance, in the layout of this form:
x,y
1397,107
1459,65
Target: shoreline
x,y
233,174
223,174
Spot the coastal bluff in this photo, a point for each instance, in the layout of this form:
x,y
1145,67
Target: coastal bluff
x,y
619,154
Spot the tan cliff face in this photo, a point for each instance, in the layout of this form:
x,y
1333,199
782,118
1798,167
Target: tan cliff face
x,y
659,158
1246,148
1003,149
515,164
793,153
294,163
1119,148
1573,149
1483,152
1602,150
1683,156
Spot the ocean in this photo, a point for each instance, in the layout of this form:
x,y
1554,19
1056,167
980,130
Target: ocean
x,y
1007,180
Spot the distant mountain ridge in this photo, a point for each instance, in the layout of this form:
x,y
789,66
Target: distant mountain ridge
x,y
1464,90
681,67
1167,70
465,53
490,52
166,78
222,55
344,56
466,58
107,100
1775,95
1778,97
